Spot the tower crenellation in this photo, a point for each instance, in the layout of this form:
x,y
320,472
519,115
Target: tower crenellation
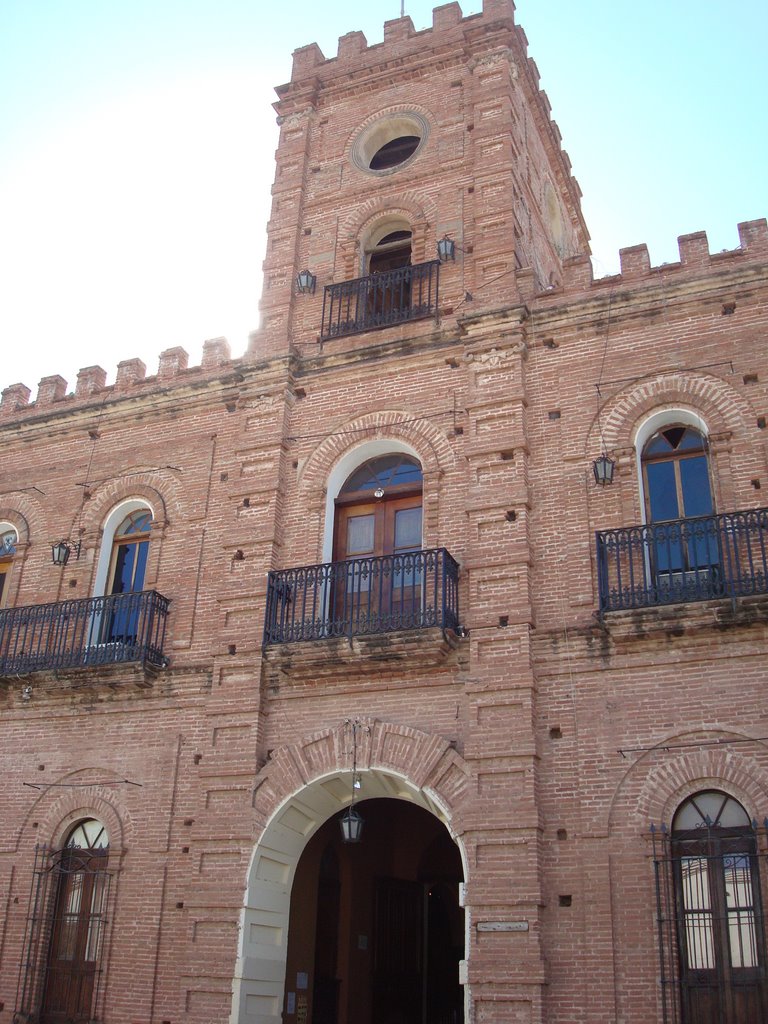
x,y
486,167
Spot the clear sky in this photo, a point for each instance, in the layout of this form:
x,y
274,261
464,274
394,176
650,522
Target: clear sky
x,y
137,143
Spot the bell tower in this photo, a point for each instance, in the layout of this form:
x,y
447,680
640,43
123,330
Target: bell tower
x,y
435,136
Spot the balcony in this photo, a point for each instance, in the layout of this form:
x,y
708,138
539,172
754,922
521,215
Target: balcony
x,y
363,597
683,560
84,633
380,300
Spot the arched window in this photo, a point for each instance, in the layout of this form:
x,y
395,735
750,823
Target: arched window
x,y
130,548
676,474
73,971
378,525
121,572
685,548
378,510
720,933
390,252
8,540
388,266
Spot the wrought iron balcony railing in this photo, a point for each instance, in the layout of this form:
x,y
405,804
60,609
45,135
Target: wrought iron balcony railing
x,y
82,633
380,300
683,560
363,596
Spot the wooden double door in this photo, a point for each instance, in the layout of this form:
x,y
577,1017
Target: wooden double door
x,y
381,582
77,937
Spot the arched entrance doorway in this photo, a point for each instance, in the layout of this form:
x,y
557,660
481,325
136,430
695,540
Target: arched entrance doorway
x,y
376,933
262,977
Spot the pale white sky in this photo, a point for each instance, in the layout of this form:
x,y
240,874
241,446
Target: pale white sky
x,y
137,145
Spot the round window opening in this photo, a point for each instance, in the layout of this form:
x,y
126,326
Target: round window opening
x,y
390,142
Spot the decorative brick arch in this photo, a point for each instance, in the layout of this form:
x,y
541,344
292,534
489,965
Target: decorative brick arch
x,y
698,399
365,435
159,489
301,787
663,778
650,792
416,209
29,519
19,513
76,795
714,399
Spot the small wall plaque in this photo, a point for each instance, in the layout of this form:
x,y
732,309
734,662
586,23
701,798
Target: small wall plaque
x,y
502,926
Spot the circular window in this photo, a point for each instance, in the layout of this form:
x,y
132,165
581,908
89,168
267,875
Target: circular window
x,y
390,142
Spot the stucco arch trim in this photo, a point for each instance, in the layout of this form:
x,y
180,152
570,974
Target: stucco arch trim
x,y
428,442
655,786
713,399
395,110
355,442
302,786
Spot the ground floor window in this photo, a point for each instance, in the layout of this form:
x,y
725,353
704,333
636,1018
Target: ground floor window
x,y
710,874
62,972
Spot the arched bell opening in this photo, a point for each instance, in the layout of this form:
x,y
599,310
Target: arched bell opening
x,y
376,932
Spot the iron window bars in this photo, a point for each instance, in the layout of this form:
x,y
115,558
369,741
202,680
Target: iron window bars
x,y
363,596
683,560
81,922
380,300
84,632
710,917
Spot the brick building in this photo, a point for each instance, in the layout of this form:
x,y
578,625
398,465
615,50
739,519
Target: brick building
x,y
369,567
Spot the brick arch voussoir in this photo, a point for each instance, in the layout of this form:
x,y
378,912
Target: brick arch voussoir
x,y
57,811
714,399
161,490
425,438
427,761
18,510
416,209
655,786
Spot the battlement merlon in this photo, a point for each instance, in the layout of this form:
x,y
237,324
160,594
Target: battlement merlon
x,y
635,262
92,380
353,50
473,40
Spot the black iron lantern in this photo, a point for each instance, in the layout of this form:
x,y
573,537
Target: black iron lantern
x,y
446,249
603,468
351,824
60,552
305,282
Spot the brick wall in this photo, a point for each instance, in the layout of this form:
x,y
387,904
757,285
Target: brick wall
x,y
550,737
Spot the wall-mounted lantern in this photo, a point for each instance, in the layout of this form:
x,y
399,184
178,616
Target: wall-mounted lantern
x,y
305,282
61,551
603,468
446,249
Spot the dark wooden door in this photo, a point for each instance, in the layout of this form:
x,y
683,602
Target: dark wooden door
x,y
722,969
384,593
74,954
398,954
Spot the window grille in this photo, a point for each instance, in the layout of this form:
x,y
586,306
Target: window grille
x,y
710,912
69,902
